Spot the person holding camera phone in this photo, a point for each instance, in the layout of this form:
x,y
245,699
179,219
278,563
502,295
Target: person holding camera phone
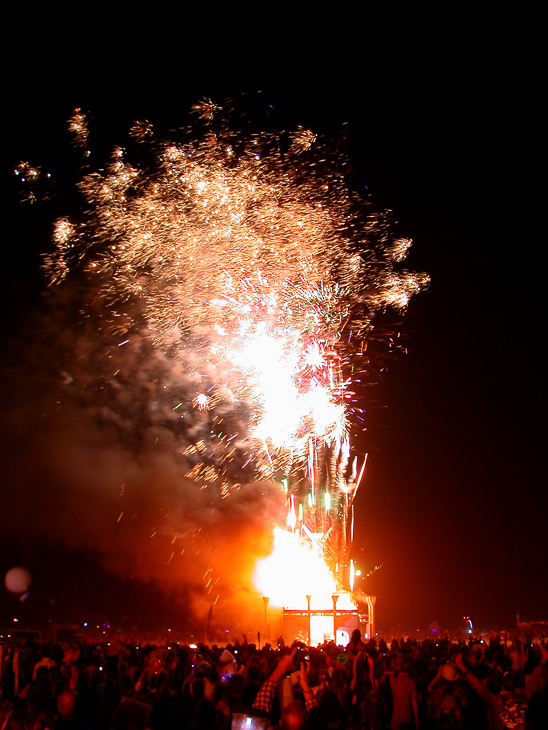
x,y
293,715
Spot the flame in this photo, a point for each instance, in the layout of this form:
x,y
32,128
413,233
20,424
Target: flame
x,y
294,570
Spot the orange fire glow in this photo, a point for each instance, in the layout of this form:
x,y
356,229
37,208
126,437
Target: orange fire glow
x,y
295,570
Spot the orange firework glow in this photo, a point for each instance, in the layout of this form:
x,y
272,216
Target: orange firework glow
x,y
292,571
260,279
296,577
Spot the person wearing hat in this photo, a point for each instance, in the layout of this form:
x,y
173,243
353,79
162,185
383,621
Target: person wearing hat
x,y
228,665
403,690
447,699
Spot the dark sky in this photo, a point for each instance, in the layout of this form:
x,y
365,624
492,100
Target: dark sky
x,y
453,506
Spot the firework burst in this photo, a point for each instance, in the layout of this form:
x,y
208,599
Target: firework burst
x,y
255,271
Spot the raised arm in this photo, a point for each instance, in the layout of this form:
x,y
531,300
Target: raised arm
x,y
264,698
309,697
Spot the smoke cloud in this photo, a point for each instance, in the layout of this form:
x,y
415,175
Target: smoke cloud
x,y
95,462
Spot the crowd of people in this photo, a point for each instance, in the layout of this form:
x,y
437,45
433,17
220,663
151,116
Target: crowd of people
x,y
435,684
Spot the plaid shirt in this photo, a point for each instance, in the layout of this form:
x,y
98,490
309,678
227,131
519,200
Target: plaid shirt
x,y
263,701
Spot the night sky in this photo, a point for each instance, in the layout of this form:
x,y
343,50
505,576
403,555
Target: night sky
x,y
453,504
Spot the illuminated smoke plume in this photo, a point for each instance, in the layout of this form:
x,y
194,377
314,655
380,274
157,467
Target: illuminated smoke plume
x,y
220,294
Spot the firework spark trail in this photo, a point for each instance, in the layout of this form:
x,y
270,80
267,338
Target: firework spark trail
x,y
252,271
220,295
